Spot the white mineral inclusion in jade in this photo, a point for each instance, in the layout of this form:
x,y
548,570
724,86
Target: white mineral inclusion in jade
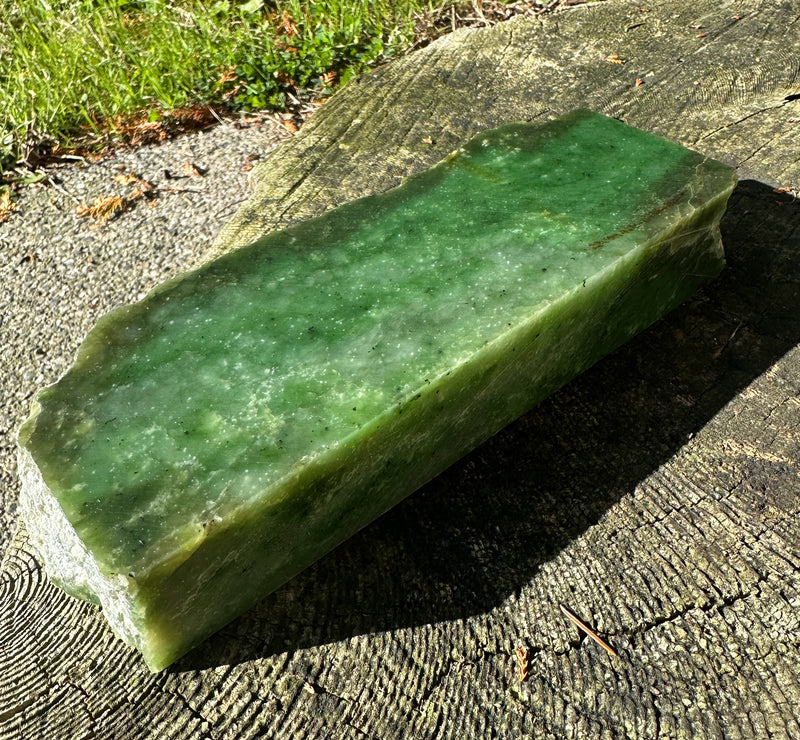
x,y
261,390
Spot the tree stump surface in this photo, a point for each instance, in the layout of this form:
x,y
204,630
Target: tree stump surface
x,y
657,495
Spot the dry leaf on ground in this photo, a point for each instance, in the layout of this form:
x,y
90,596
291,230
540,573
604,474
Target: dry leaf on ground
x,y
103,208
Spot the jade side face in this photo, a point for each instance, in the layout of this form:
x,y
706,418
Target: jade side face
x,y
200,399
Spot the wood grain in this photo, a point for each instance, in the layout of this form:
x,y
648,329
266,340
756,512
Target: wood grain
x,y
656,496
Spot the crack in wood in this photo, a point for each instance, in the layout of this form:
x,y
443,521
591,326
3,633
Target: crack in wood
x,y
204,734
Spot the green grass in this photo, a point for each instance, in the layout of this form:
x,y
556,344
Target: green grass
x,y
76,70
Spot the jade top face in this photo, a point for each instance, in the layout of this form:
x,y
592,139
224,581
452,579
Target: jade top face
x,y
221,383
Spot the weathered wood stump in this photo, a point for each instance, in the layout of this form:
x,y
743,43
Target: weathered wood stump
x,y
657,495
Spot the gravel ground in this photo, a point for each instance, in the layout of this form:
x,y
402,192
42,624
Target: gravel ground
x,y
61,271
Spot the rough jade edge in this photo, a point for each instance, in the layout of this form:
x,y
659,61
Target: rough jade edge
x,y
71,565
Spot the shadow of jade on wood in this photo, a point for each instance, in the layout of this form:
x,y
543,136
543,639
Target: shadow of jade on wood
x,y
243,419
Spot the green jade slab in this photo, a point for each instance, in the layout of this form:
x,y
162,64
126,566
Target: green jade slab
x,y
242,420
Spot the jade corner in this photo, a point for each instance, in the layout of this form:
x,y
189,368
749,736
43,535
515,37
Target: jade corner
x,y
242,420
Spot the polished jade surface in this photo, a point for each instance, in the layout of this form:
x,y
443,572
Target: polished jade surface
x,y
214,439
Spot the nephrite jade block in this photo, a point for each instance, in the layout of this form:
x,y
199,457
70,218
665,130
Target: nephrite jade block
x,y
243,419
